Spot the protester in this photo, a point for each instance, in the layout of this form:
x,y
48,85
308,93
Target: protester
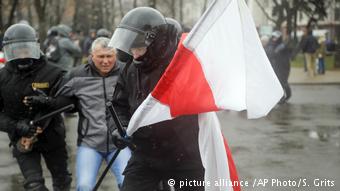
x,y
279,56
27,73
166,150
321,54
52,34
309,45
91,86
88,42
65,50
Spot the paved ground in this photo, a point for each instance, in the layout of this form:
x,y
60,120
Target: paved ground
x,y
296,141
298,76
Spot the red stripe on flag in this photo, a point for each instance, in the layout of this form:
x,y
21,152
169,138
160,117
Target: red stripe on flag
x,y
232,168
183,86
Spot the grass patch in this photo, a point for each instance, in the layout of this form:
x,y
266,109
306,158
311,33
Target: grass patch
x,y
298,62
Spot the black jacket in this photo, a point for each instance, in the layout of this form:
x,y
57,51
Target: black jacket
x,y
175,139
279,56
15,85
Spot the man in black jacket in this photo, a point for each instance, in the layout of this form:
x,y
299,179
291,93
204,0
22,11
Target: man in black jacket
x,y
166,150
27,73
279,56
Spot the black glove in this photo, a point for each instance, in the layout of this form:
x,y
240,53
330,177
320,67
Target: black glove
x,y
119,141
37,101
23,129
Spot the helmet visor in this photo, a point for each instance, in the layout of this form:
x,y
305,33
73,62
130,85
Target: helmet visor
x,y
20,50
125,39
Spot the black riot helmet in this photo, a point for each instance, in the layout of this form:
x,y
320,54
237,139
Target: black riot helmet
x,y
20,42
53,31
176,24
145,27
138,28
103,33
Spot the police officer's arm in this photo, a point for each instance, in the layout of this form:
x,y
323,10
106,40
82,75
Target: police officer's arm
x,y
62,99
120,101
53,101
13,127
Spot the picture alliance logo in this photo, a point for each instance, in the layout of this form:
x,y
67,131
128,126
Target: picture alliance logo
x,y
207,183
301,182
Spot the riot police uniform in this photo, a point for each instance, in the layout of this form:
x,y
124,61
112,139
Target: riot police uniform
x,y
26,71
166,150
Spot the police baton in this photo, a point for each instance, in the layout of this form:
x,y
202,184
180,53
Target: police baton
x,y
122,133
36,122
52,114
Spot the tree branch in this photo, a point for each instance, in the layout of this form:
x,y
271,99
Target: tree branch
x,y
264,11
11,15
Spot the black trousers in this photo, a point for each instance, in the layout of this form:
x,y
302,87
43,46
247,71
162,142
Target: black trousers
x,y
144,173
56,162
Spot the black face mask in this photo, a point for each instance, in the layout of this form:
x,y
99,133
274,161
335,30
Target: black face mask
x,y
24,64
161,49
123,57
144,63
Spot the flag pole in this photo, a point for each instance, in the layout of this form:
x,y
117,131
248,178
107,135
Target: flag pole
x,y
122,133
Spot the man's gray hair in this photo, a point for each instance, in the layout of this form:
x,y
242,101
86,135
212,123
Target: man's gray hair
x,y
102,42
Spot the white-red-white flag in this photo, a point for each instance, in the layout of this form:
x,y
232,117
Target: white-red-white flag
x,y
219,65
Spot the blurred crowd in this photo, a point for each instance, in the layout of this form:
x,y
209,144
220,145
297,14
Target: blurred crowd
x,y
281,51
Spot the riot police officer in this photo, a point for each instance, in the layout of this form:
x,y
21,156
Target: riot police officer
x,y
166,150
103,32
27,73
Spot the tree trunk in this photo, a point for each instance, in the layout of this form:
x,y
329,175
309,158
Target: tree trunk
x,y
181,11
29,11
99,14
134,3
295,25
173,8
121,8
1,24
11,15
289,19
204,6
40,7
60,10
105,13
113,15
152,3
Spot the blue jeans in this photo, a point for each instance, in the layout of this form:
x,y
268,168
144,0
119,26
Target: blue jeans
x,y
89,161
321,66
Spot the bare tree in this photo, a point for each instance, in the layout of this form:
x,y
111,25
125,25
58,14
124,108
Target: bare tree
x,y
113,14
11,14
181,11
1,24
121,8
287,11
173,8
205,3
60,6
29,11
40,6
152,3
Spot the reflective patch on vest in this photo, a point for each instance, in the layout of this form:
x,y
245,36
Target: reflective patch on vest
x,y
43,85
